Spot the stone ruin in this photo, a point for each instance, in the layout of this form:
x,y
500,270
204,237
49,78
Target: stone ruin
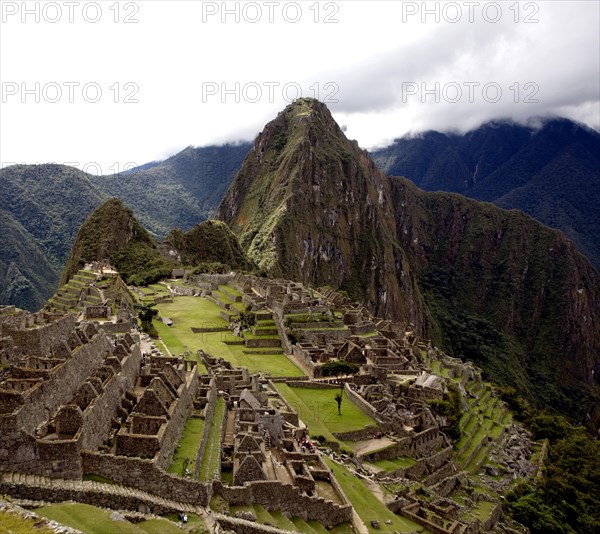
x,y
80,397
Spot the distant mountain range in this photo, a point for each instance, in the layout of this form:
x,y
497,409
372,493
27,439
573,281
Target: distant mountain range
x,y
43,206
552,173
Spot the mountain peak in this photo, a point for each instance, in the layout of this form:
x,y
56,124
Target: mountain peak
x,y
110,228
309,204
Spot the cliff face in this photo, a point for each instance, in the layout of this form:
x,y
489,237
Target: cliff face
x,y
505,291
490,285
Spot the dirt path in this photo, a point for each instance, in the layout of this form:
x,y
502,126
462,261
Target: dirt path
x,y
370,445
228,440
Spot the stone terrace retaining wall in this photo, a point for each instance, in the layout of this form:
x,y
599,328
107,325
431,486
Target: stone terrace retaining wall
x,y
362,403
367,432
242,526
310,385
286,498
145,475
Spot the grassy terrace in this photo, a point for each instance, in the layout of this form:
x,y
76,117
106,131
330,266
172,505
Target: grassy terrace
x,y
396,463
188,312
317,409
367,505
92,520
210,460
188,445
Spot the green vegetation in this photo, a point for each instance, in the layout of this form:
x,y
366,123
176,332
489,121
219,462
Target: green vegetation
x,y
187,449
450,407
209,245
210,460
112,232
567,497
14,523
188,312
367,505
146,314
339,368
317,409
402,462
41,208
92,520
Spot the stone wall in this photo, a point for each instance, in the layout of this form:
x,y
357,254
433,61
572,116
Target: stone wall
x,y
97,417
114,328
367,432
179,416
145,475
119,500
310,385
241,526
209,411
274,495
40,341
62,385
362,403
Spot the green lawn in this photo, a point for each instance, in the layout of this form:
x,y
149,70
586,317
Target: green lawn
x,y
16,524
210,460
187,312
317,409
92,520
367,506
395,463
188,445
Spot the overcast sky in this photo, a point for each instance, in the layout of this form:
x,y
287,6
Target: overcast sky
x,y
101,85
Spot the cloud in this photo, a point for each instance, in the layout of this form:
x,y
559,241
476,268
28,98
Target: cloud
x,y
382,71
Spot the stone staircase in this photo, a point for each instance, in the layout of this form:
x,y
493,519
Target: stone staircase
x,y
37,487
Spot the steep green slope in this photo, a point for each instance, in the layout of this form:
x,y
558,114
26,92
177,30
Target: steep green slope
x,y
309,205
207,242
506,292
551,173
180,191
26,276
493,286
112,233
49,203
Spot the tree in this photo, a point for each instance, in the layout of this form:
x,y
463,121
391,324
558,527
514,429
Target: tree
x,y
339,368
338,399
146,314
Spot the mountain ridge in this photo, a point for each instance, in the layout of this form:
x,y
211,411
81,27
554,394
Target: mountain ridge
x,y
308,204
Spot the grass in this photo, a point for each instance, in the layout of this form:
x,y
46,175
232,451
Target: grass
x,y
188,445
210,460
92,520
16,524
295,524
318,410
396,463
187,312
367,505
98,478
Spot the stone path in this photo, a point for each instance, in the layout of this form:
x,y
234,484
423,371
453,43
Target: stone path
x,y
370,445
228,440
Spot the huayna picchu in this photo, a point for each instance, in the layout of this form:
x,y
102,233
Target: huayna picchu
x,y
340,352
